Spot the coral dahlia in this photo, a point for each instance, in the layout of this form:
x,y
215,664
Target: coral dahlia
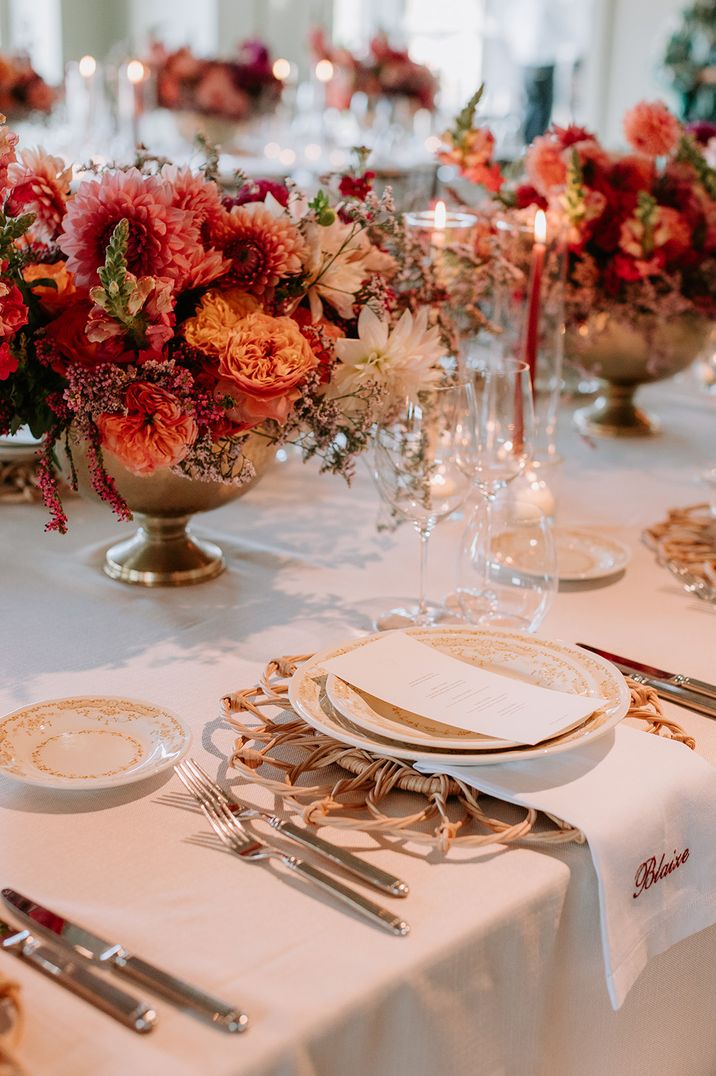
x,y
39,184
162,238
261,243
651,128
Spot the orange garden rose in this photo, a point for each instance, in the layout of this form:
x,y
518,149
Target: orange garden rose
x,y
219,312
51,298
154,433
265,360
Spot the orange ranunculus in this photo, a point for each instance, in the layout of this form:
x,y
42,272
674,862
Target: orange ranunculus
x,y
266,359
154,433
218,313
50,298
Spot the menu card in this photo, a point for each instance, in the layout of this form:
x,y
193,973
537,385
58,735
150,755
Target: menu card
x,y
404,672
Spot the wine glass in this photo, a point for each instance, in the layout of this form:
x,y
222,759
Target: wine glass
x,y
420,468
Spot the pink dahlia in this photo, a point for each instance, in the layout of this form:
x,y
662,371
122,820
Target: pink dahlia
x,y
197,195
40,184
544,164
162,238
652,129
262,244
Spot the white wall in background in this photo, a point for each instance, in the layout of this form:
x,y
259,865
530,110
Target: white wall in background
x,y
175,22
35,27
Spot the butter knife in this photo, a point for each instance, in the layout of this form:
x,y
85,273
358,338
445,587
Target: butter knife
x,y
86,984
667,685
374,876
93,948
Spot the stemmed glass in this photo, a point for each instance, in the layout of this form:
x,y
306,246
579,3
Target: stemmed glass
x,y
421,470
501,447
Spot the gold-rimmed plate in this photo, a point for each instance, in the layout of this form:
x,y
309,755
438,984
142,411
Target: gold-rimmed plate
x,y
545,662
90,742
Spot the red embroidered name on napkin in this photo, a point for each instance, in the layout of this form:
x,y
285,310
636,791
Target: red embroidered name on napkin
x,y
648,873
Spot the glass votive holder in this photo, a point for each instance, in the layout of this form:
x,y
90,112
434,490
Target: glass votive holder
x,y
708,477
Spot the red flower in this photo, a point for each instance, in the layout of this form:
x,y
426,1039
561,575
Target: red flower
x,y
8,362
527,195
255,191
13,312
568,136
356,186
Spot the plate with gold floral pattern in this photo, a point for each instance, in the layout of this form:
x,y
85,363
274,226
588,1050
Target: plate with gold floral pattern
x,y
88,742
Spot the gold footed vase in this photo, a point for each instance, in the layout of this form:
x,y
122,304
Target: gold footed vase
x,y
625,355
163,551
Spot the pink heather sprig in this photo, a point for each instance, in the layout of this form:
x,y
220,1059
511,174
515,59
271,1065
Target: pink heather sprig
x,y
49,486
102,483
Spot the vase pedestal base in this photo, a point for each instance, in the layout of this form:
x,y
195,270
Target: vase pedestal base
x,y
614,414
163,553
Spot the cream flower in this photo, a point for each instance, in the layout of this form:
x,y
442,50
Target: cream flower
x,y
340,257
402,361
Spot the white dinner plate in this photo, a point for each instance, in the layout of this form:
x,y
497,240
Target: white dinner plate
x,y
545,662
90,742
582,553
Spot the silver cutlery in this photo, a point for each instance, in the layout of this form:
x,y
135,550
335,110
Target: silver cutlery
x,y
91,947
694,694
125,1008
374,876
234,837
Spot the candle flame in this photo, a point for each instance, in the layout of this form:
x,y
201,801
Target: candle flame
x,y
135,71
88,66
440,216
281,69
540,226
324,70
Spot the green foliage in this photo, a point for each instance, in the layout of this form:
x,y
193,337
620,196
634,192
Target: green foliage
x,y
645,207
322,208
465,119
12,229
573,199
690,153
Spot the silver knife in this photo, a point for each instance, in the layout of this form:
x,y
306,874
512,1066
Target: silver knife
x,y
60,966
699,687
665,689
374,876
94,948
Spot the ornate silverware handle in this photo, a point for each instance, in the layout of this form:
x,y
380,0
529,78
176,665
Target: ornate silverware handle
x,y
666,690
380,916
181,993
387,883
699,687
101,993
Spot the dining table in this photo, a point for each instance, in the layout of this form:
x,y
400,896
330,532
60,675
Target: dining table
x,y
502,973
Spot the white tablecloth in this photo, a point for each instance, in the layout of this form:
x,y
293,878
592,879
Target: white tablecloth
x,y
502,973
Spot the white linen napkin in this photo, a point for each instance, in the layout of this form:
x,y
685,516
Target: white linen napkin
x,y
647,806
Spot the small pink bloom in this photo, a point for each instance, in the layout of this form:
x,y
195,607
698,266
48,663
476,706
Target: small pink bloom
x,y
13,312
652,129
154,433
544,164
40,185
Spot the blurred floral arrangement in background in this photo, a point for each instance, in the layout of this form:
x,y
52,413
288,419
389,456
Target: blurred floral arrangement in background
x,y
235,89
384,72
22,90
146,313
640,226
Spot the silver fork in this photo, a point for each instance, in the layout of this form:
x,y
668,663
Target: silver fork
x,y
232,834
374,876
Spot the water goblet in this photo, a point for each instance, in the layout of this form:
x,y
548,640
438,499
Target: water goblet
x,y
421,472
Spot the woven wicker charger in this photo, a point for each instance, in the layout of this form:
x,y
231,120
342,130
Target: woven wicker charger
x,y
354,799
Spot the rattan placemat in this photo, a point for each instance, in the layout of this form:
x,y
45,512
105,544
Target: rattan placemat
x,y
685,542
333,784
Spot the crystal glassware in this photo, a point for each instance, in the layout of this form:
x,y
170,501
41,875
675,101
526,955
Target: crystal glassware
x,y
421,470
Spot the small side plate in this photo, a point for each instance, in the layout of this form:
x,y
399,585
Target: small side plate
x,y
582,553
90,742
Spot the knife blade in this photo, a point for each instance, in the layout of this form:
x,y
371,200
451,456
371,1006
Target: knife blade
x,y
93,948
130,1011
672,692
699,687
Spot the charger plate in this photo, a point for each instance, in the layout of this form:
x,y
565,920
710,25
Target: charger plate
x,y
89,742
544,662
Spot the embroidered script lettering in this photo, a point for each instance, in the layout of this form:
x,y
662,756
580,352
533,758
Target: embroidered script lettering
x,y
649,872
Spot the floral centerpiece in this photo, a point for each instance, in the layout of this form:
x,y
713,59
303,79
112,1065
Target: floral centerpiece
x,y
22,89
233,89
384,72
150,320
640,229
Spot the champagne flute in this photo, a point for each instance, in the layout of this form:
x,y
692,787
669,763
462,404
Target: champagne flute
x,y
420,469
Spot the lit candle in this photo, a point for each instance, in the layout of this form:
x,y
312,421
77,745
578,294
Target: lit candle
x,y
324,70
539,249
135,76
281,69
87,68
439,225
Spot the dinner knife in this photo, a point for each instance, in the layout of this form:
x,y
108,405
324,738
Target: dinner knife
x,y
699,687
60,966
669,688
113,955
